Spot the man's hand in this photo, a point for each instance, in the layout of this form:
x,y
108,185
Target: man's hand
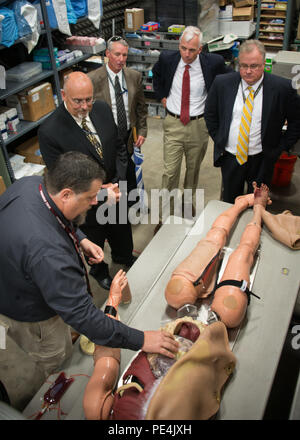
x,y
160,342
164,102
140,141
91,250
113,193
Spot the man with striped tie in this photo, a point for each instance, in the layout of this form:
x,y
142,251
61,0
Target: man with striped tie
x,y
245,113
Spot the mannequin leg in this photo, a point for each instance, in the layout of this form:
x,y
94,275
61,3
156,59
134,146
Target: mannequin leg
x,y
98,395
230,302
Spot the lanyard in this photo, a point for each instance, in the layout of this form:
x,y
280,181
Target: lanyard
x,y
71,234
123,82
255,94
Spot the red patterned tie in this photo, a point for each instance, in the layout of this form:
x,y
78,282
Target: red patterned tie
x,y
185,96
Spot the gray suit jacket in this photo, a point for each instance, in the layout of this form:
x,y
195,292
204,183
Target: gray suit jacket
x,y
136,99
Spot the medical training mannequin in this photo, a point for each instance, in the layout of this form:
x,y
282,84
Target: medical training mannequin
x,y
214,364
98,397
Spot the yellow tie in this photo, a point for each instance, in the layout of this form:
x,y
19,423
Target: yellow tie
x,y
92,138
243,139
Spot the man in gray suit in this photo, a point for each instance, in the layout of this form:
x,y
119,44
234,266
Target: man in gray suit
x,y
131,91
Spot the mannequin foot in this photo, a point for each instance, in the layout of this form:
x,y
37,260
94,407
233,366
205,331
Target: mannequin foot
x,y
261,195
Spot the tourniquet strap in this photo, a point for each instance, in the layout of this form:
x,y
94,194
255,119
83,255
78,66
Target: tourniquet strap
x,y
241,284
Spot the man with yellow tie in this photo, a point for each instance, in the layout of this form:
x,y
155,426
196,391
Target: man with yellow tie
x,y
245,112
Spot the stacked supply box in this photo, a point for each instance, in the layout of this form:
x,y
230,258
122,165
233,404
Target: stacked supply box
x,y
31,151
9,121
237,19
134,19
42,56
61,56
37,101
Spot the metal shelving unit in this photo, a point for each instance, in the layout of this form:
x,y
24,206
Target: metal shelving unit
x,y
266,17
160,41
15,87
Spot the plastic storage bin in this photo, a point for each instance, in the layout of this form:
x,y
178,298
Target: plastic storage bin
x,y
283,170
24,71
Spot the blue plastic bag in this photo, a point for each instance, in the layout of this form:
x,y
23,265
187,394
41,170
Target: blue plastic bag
x,y
80,7
22,24
71,13
51,13
9,27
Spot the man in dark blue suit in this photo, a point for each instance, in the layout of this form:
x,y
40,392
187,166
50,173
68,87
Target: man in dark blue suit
x,y
63,132
274,102
181,81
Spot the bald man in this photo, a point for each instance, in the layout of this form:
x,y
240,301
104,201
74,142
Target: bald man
x,y
83,125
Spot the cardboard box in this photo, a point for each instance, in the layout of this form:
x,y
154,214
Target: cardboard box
x,y
243,13
37,101
150,26
134,19
2,185
31,150
177,28
242,3
62,74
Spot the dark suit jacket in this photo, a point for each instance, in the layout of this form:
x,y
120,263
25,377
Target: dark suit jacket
x,y
60,133
165,68
136,100
280,103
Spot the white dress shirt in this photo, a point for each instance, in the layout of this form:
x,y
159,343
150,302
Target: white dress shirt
x,y
255,146
111,81
88,122
198,91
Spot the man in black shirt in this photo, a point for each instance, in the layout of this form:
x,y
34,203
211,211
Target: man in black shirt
x,y
43,285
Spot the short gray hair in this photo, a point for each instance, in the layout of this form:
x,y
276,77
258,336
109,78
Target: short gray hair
x,y
249,45
111,42
191,32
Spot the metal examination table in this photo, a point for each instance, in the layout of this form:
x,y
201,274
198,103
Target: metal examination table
x,y
261,337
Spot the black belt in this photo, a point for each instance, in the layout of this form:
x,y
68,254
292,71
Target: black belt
x,y
192,118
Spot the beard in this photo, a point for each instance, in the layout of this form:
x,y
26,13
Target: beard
x,y
80,219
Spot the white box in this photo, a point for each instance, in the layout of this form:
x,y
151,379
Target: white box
x,y
226,14
285,63
13,101
239,28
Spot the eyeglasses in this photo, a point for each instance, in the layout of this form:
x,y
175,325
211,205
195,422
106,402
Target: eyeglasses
x,y
114,38
78,101
251,66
